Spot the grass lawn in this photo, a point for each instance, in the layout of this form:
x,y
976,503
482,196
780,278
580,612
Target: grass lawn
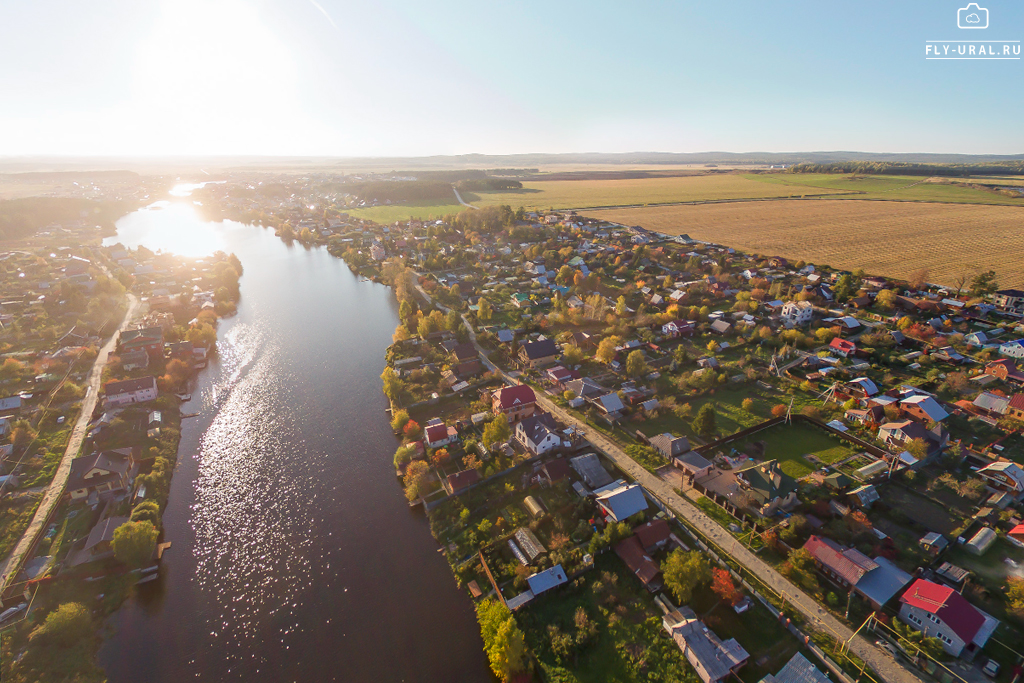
x,y
790,443
402,212
919,509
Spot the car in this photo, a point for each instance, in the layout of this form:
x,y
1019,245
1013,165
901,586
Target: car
x,y
887,646
991,668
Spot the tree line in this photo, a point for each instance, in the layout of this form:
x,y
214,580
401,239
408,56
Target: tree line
x,y
907,168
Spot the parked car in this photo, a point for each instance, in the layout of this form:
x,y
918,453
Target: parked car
x,y
887,646
991,668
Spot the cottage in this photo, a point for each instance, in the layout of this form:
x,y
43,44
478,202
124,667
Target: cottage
x,y
842,347
768,486
620,501
148,339
590,469
677,328
1013,349
797,670
1004,476
539,433
795,313
106,472
517,402
712,659
923,409
631,552
721,327
940,612
693,464
1005,370
539,353
136,359
546,580
126,392
438,434
933,543
653,535
877,580
460,481
669,445
1010,300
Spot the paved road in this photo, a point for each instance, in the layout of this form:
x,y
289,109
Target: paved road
x,y
12,565
459,197
883,663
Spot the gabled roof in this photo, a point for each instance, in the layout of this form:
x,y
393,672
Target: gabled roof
x,y
127,386
546,580
767,481
463,352
849,564
590,468
670,444
513,397
537,427
945,603
623,501
540,349
103,531
435,433
928,405
653,533
797,670
632,552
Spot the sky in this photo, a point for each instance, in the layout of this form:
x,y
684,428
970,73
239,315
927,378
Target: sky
x,y
411,78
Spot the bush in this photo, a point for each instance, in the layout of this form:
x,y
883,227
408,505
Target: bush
x,y
748,405
64,626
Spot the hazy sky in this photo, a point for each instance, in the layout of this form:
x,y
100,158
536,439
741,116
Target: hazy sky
x,y
412,77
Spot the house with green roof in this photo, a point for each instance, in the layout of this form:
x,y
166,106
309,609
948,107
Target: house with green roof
x,y
769,488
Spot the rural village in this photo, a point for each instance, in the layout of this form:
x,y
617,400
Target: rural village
x,y
655,456
99,344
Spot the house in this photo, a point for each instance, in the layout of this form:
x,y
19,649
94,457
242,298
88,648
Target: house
x,y
862,386
585,388
516,402
796,313
148,339
1013,349
438,434
1011,300
101,473
97,544
539,353
1017,534
1005,370
546,580
797,670
712,659
128,391
461,481
465,360
631,551
721,327
933,543
901,433
590,469
620,501
136,359
555,469
693,464
669,445
768,486
1015,407
842,347
940,612
1004,476
877,580
539,433
923,409
609,404
992,404
653,535
10,405
677,328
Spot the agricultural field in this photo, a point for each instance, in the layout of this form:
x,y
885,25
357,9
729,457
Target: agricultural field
x,y
884,238
403,212
578,194
896,188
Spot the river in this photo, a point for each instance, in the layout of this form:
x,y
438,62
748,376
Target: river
x,y
294,556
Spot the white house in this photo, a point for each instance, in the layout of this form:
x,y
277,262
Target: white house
x,y
797,313
130,391
940,612
539,433
1013,349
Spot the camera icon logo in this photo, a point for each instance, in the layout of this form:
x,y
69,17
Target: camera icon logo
x,y
972,16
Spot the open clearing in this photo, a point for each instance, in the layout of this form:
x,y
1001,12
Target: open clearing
x,y
883,238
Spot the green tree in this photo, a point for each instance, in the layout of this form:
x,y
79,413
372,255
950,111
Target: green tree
x,y
606,349
497,431
452,321
134,542
504,641
485,312
636,365
399,420
416,479
64,626
984,284
704,423
620,306
684,572
573,355
393,384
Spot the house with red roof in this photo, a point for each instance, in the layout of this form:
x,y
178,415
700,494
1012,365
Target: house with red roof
x,y
653,535
1015,408
631,551
842,347
437,434
516,402
940,612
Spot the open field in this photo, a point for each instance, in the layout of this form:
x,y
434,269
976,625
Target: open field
x,y
894,188
789,444
577,194
884,238
402,212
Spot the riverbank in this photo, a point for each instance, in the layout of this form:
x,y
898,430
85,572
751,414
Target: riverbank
x,y
105,534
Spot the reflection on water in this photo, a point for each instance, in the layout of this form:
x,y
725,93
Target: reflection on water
x,y
295,556
172,227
